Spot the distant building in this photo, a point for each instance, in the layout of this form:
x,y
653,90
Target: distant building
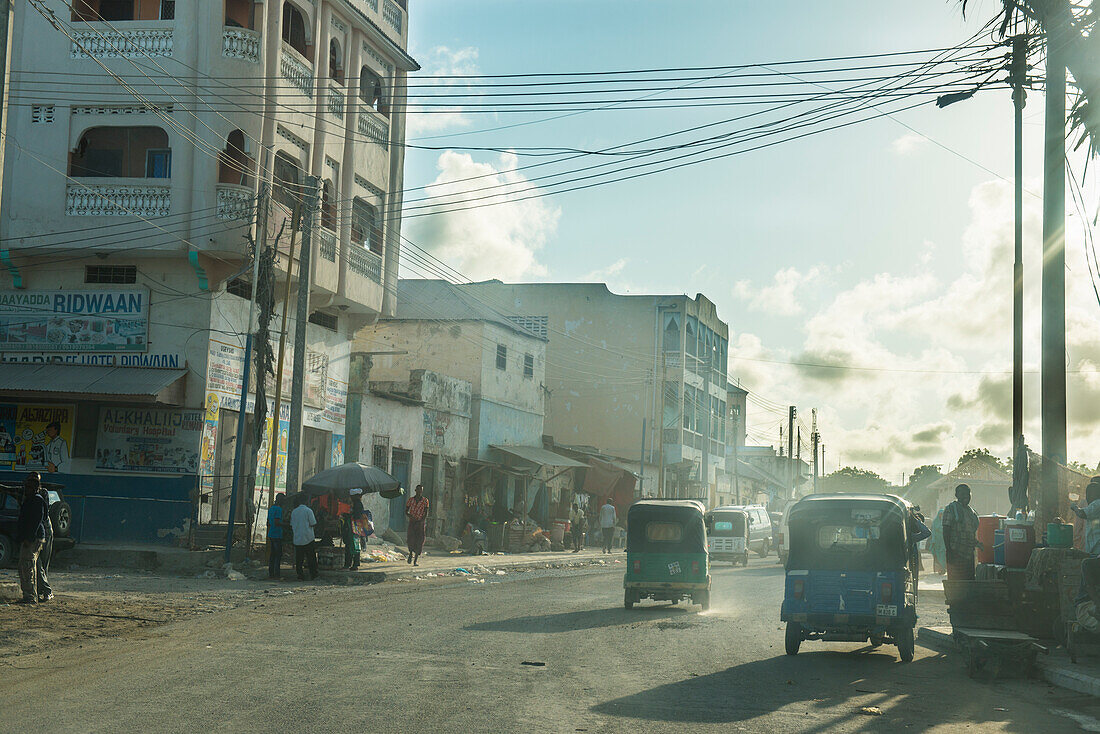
x,y
988,484
630,375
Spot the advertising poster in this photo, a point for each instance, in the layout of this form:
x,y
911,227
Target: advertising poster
x,y
36,437
74,321
162,441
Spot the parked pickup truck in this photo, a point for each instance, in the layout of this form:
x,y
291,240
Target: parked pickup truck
x,y
61,517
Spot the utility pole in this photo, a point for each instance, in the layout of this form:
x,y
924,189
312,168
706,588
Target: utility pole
x,y
1054,279
661,430
736,456
707,429
792,413
273,460
1018,78
823,469
815,438
297,389
797,462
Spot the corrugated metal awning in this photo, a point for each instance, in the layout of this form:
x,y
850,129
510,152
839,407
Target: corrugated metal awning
x,y
540,456
90,381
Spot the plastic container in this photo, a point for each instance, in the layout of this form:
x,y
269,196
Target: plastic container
x,y
999,547
986,525
557,532
1019,542
1059,535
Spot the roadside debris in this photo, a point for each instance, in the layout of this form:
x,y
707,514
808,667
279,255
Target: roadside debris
x,y
870,711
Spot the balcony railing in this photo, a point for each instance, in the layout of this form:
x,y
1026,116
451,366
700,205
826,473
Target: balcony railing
x,y
372,126
241,43
365,263
234,202
391,13
107,43
335,101
110,200
327,246
296,72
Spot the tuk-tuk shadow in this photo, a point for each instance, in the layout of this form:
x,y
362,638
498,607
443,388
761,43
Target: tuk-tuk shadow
x,y
585,619
828,688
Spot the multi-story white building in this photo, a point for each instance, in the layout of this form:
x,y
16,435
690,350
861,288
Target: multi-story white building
x,y
139,134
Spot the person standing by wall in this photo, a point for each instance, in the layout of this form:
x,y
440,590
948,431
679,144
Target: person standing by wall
x,y
275,538
608,518
960,528
302,520
416,510
31,537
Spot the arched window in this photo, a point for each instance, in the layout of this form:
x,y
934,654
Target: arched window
x,y
235,166
123,10
287,181
372,90
294,30
122,152
335,62
240,14
366,226
328,206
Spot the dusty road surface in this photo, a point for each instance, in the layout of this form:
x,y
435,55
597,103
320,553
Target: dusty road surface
x,y
456,655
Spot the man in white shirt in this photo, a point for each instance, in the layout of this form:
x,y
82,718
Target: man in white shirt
x,y
608,518
57,451
302,522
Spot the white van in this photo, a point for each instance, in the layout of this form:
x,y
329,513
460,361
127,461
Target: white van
x,y
782,534
761,539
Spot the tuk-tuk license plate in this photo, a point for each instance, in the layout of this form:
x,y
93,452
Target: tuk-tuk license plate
x,y
886,610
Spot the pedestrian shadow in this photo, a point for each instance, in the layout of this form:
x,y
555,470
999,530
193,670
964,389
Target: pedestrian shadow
x,y
827,688
586,619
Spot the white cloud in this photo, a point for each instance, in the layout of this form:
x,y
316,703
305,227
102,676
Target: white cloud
x,y
908,144
781,296
441,61
483,240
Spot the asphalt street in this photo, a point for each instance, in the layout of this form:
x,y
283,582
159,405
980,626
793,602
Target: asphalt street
x,y
549,651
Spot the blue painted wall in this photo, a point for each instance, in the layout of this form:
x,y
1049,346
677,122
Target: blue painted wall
x,y
503,425
121,509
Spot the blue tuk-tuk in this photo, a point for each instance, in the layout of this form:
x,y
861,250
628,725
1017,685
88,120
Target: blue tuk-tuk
x,y
850,572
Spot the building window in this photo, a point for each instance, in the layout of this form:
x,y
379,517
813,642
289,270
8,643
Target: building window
x,y
42,113
380,455
122,152
528,365
502,357
335,62
373,91
294,30
324,320
110,274
120,10
366,226
238,14
235,166
286,187
240,287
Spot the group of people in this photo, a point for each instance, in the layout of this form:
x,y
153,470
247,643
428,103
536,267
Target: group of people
x,y
578,525
35,539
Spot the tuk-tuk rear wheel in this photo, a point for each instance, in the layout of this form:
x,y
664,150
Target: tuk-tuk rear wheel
x,y
906,644
628,599
702,599
793,639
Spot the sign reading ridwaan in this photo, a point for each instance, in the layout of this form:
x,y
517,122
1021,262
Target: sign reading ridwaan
x,y
74,321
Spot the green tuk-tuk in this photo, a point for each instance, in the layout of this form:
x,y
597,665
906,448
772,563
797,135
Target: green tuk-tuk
x,y
666,553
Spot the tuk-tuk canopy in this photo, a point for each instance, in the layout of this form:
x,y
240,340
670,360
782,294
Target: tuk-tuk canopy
x,y
856,532
723,522
666,526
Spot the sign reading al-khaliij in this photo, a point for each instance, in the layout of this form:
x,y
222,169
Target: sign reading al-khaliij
x,y
74,321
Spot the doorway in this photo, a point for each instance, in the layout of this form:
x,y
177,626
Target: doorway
x,y
402,460
427,478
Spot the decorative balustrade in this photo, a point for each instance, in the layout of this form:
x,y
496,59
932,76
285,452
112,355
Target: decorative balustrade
x,y
372,127
365,263
296,72
327,246
106,43
391,13
335,101
109,200
241,43
234,202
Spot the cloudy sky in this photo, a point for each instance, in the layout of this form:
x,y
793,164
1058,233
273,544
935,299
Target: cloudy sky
x,y
881,250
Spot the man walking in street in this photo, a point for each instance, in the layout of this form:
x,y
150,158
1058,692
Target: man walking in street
x,y
42,568
416,510
302,522
275,538
608,518
960,528
578,523
31,537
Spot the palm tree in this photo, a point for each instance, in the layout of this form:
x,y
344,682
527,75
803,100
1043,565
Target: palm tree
x,y
1072,24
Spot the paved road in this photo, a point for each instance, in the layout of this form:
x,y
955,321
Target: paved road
x,y
448,656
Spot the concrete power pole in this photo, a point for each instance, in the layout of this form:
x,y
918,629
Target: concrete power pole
x,y
297,389
1054,280
1018,78
815,438
792,413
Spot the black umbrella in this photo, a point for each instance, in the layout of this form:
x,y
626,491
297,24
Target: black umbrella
x,y
340,480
